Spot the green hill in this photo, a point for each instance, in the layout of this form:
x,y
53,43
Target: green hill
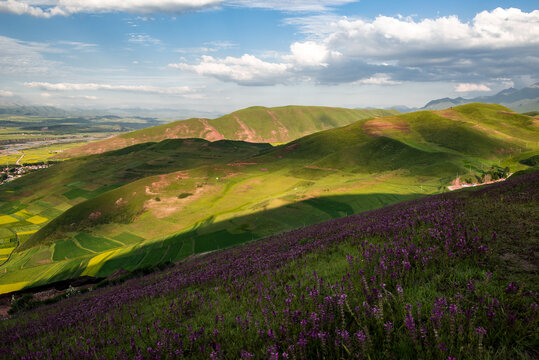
x,y
451,276
179,209
254,124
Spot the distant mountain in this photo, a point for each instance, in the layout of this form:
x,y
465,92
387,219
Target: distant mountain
x,y
25,110
519,100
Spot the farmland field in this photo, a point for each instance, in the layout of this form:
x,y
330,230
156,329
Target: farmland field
x,y
156,202
428,278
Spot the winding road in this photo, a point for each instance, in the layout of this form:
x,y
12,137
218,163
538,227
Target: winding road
x,y
17,162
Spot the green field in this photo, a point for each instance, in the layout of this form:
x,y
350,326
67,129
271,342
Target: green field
x,y
170,200
52,135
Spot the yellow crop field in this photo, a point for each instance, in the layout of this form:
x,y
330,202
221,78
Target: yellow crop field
x,y
95,263
26,232
23,213
6,288
6,219
37,219
6,251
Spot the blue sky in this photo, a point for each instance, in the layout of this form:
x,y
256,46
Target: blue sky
x,y
216,56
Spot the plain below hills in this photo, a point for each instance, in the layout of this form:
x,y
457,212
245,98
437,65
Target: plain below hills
x,y
255,124
174,211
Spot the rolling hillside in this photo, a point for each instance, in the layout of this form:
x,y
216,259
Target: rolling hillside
x,y
254,124
181,210
452,276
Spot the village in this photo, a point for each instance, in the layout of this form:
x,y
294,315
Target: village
x,y
12,172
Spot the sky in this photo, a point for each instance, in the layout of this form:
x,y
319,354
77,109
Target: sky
x,y
217,56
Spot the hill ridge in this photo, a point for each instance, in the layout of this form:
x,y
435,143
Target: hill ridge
x,y
253,124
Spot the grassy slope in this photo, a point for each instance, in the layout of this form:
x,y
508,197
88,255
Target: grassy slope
x,y
451,276
254,124
325,175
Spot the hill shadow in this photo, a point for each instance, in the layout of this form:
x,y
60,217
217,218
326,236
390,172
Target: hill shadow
x,y
210,235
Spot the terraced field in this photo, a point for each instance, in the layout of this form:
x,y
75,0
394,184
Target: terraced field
x,y
166,201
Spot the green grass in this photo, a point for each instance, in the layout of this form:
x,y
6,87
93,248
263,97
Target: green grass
x,y
346,275
238,192
67,249
268,125
96,244
128,238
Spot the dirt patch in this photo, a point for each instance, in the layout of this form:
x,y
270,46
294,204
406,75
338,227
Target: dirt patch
x,y
249,185
517,262
246,133
450,114
378,126
457,184
167,206
281,129
43,262
241,164
179,131
161,183
182,175
209,133
229,175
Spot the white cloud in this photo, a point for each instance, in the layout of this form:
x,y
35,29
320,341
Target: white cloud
x,y
79,46
47,9
50,8
310,53
466,87
24,57
292,5
246,70
391,37
5,93
377,79
75,97
499,43
179,90
143,39
251,70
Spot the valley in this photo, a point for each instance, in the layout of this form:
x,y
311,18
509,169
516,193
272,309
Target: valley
x,y
269,180
154,202
39,138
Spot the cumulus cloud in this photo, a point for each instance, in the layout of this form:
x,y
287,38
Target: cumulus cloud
x,y
494,44
179,90
5,93
47,9
378,79
391,36
466,87
251,70
245,70
310,53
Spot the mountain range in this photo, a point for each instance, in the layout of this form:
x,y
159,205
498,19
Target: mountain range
x,y
519,100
